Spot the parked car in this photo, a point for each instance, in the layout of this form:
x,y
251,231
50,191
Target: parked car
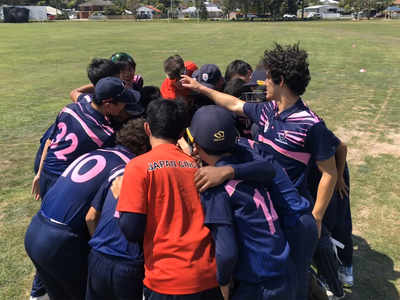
x,y
314,16
289,17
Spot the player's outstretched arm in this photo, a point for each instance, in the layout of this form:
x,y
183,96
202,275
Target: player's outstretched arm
x,y
325,190
229,102
35,183
74,94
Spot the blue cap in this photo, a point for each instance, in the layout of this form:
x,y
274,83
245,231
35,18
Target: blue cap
x,y
257,78
135,109
208,75
213,128
114,88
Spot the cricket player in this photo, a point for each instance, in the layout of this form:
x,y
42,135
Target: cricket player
x,y
160,204
291,130
116,269
250,246
57,238
81,128
174,68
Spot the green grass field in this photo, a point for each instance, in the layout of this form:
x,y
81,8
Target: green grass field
x,y
41,62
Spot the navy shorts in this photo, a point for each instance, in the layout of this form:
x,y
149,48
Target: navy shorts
x,y
60,258
112,277
211,294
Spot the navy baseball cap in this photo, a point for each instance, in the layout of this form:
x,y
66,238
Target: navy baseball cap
x,y
136,108
208,75
113,87
257,78
213,128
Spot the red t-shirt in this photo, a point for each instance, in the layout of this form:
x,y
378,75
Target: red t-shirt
x,y
169,89
178,252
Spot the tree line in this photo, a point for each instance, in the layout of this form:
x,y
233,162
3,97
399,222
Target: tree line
x,y
272,8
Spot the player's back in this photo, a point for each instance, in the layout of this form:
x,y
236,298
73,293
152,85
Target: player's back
x,y
263,248
108,238
78,129
177,245
69,198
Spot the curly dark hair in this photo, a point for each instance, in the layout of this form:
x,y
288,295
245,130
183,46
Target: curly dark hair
x,y
289,62
133,136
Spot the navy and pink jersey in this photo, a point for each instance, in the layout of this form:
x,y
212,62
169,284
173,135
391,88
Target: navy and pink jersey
x,y
248,207
85,98
69,199
78,129
108,238
296,136
289,203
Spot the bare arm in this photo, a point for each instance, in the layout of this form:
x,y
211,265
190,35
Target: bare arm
x,y
116,186
74,94
229,102
340,156
92,219
208,177
326,187
35,183
225,290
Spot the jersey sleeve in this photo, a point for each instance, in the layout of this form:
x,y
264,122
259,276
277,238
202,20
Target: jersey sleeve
x,y
133,196
84,98
98,200
321,142
253,110
216,206
254,167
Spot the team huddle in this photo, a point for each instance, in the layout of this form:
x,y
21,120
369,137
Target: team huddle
x,y
209,187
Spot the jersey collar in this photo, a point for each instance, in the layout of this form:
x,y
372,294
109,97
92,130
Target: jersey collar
x,y
299,105
93,112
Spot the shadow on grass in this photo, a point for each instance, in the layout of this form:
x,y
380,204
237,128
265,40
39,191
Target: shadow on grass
x,y
374,274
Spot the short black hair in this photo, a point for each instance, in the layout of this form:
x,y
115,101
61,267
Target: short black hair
x,y
100,68
149,93
237,67
133,136
167,119
236,87
174,66
290,63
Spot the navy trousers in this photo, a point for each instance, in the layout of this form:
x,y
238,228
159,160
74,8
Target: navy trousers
x,y
211,294
111,277
60,258
271,289
46,182
302,239
338,221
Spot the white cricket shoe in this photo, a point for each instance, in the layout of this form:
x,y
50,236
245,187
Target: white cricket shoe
x,y
346,276
44,297
331,296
